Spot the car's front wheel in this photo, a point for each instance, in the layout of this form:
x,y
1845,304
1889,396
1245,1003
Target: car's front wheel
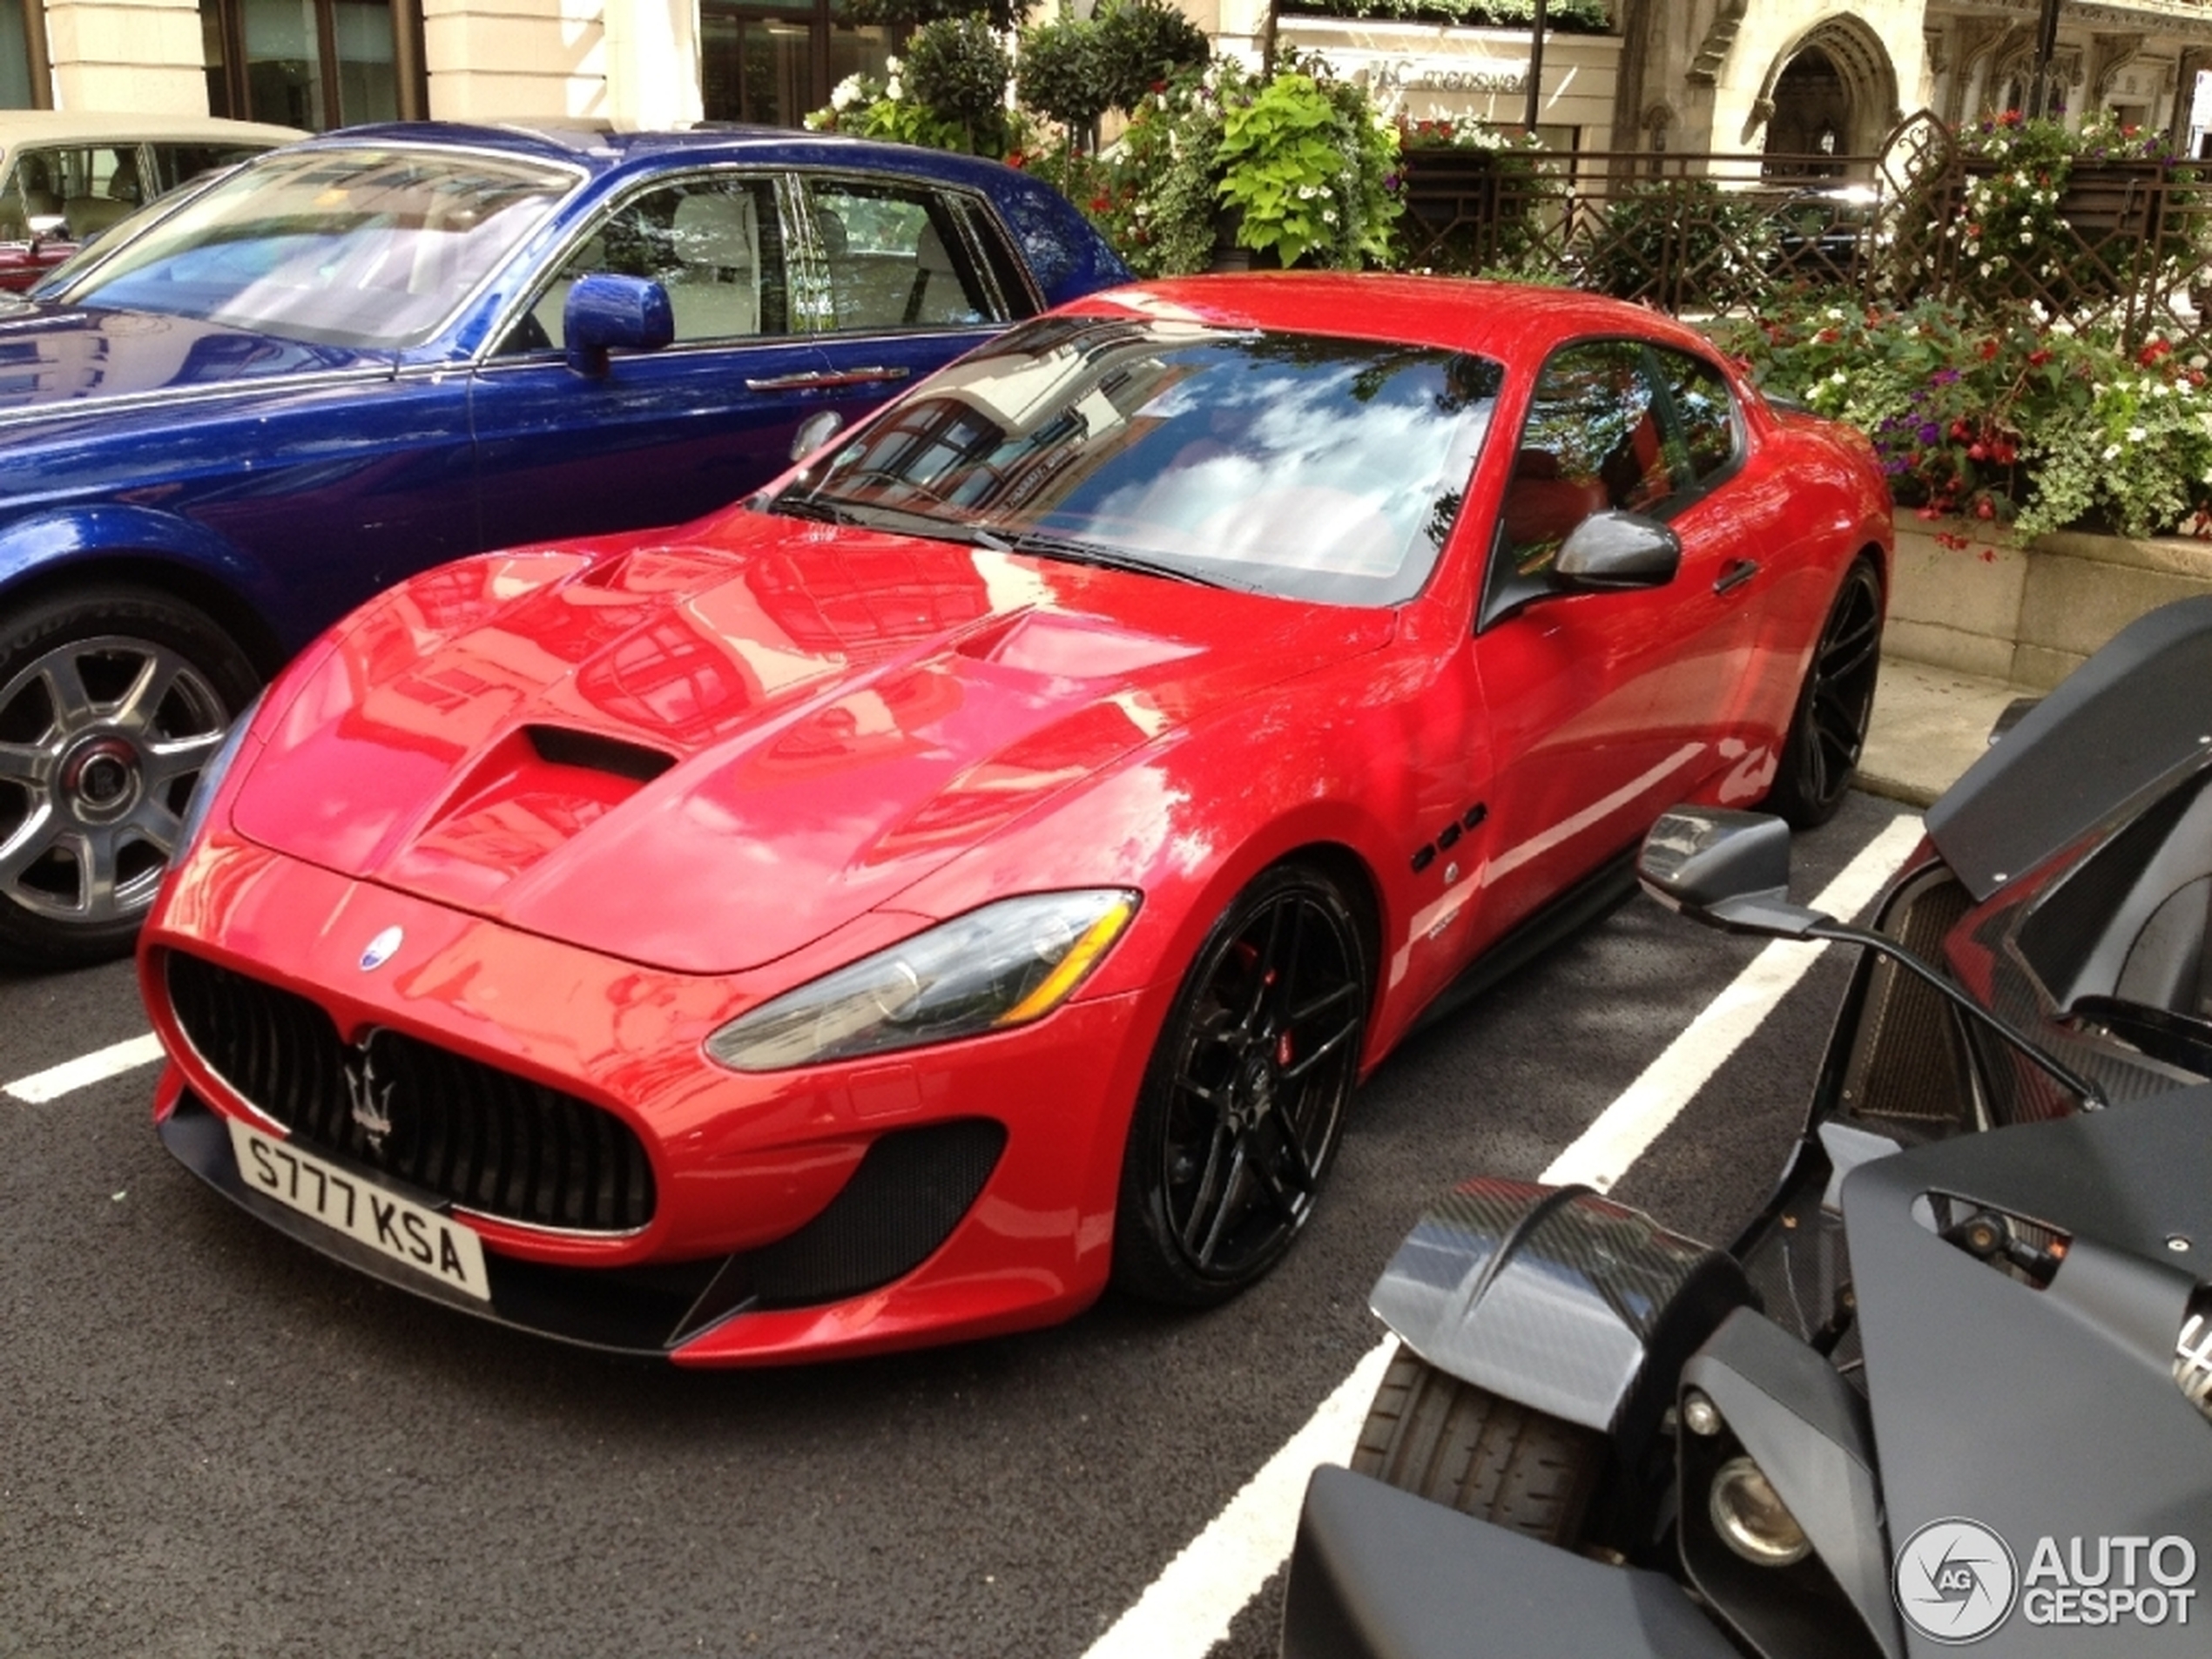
x,y
1430,1433
111,700
1244,1100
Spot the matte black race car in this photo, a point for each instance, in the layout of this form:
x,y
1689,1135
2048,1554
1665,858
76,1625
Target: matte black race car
x,y
1955,1381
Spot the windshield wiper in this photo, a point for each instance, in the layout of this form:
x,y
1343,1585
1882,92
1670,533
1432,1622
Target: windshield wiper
x,y
1077,551
792,504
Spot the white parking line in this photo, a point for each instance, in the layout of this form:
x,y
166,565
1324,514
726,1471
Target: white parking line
x,y
1188,1608
85,1070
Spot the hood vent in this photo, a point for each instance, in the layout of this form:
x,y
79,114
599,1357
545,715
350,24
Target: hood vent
x,y
590,752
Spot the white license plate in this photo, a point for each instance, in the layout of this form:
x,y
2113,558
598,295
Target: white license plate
x,y
409,1234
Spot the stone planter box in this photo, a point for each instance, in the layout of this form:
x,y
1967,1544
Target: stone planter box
x,y
2030,615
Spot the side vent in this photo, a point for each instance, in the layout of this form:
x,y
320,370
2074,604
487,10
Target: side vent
x,y
2022,1250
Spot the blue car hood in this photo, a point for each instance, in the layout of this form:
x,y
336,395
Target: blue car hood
x,y
57,358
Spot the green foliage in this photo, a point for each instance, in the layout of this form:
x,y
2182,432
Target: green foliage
x,y
1515,239
959,71
1567,17
2034,430
1061,73
1309,165
1141,44
1158,205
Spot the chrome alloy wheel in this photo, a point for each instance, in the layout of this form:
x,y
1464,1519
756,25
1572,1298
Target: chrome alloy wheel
x,y
101,740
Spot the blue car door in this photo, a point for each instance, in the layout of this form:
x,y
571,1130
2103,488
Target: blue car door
x,y
899,276
661,436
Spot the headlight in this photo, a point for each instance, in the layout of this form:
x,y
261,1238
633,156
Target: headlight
x,y
1004,965
210,780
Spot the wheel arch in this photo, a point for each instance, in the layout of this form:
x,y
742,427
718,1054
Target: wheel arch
x,y
43,558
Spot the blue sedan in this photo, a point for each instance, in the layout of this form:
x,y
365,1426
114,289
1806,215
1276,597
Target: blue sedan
x,y
391,347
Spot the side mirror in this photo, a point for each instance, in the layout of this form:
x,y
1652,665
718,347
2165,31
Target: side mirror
x,y
814,431
1727,869
1614,550
606,314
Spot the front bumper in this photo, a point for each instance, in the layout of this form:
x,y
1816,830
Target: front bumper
x,y
1379,1573
768,1188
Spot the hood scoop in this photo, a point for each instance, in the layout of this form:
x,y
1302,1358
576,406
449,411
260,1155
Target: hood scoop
x,y
527,796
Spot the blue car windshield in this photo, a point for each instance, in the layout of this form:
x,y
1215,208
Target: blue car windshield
x,y
368,248
1314,466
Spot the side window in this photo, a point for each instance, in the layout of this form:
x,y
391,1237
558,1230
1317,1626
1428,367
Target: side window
x,y
97,184
1704,412
1593,441
895,259
177,163
714,243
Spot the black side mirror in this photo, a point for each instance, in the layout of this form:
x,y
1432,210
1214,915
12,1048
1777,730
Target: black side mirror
x,y
1612,550
604,313
1730,870
814,431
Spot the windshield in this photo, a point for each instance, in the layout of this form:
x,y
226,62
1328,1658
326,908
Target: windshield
x,y
362,248
1303,465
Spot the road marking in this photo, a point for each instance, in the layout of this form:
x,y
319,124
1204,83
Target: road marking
x,y
85,1070
1188,1608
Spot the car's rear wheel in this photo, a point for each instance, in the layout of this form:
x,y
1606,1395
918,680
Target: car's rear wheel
x,y
1430,1433
1244,1100
112,699
1836,703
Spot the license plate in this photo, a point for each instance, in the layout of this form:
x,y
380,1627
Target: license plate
x,y
408,1233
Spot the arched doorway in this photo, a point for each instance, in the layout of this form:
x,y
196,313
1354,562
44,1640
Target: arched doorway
x,y
1832,91
1812,111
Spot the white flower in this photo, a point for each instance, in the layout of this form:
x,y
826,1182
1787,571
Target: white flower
x,y
1838,378
2161,389
2136,435
2026,237
891,66
1328,215
845,93
1986,267
1834,313
893,91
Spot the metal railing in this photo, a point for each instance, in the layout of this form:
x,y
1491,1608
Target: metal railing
x,y
2122,243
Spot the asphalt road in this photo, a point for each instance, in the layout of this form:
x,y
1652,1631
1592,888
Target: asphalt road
x,y
213,1441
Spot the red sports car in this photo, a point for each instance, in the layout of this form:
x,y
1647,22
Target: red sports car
x,y
981,865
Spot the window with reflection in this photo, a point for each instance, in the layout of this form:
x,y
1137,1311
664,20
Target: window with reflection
x,y
1594,441
1304,465
771,60
314,64
22,54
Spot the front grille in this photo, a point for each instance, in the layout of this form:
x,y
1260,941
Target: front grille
x,y
450,1126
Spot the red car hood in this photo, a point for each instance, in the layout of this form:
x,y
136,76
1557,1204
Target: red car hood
x,y
705,755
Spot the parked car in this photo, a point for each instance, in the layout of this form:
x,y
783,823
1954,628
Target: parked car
x,y
981,865
67,178
1953,1379
360,356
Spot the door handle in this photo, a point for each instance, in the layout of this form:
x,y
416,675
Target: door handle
x,y
825,377
1735,574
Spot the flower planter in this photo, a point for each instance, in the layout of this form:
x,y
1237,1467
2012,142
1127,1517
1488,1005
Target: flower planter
x,y
2030,615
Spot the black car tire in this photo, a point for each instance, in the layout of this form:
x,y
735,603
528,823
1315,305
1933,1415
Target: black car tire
x,y
1243,1101
1835,705
1430,1433
157,684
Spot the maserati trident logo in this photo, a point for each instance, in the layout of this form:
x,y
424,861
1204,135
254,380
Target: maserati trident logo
x,y
369,1101
1956,1580
380,949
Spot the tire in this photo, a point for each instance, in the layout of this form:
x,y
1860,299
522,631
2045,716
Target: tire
x,y
1448,1441
1836,703
112,699
1243,1103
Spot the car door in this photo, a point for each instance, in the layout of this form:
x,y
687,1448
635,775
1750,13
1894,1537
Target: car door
x,y
661,436
1603,708
899,276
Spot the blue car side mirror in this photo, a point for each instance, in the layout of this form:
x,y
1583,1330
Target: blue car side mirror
x,y
609,312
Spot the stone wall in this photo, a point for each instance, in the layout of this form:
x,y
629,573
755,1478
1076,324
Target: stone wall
x,y
2032,615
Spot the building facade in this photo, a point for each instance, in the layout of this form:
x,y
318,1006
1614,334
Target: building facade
x,y
1796,76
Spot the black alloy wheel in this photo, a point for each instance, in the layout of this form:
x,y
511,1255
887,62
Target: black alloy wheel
x,y
1835,704
1243,1101
111,701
